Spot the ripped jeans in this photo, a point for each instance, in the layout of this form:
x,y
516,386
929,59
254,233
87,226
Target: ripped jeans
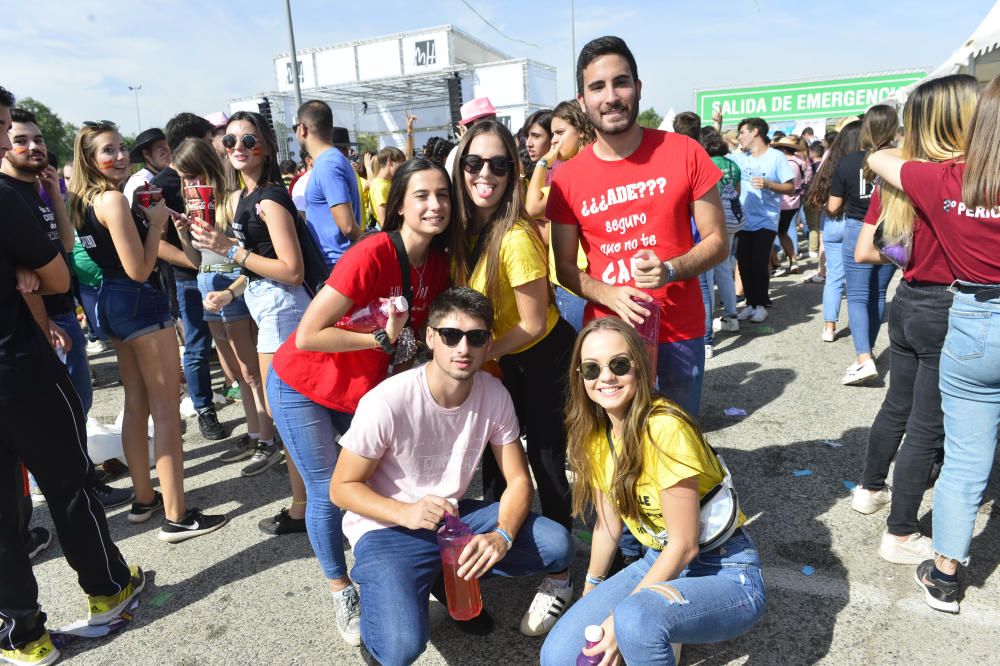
x,y
719,596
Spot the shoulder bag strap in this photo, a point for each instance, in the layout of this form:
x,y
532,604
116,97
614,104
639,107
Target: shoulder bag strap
x,y
404,266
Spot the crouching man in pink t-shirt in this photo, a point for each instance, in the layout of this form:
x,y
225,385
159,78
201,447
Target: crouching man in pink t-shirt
x,y
415,442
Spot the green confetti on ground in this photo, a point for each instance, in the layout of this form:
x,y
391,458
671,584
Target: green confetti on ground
x,y
160,599
585,536
764,330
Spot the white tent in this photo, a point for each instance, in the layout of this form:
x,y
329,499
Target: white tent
x,y
668,121
978,56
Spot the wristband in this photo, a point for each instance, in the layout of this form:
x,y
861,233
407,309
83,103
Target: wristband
x,y
542,163
231,252
506,537
231,292
595,580
671,273
382,338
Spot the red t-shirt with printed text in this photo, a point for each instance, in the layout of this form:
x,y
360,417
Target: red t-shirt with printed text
x,y
969,237
927,262
640,202
367,271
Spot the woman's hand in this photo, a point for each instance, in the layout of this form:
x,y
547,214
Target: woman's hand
x,y
216,300
552,155
608,645
182,223
210,238
397,320
156,215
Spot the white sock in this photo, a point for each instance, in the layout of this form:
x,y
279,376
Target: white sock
x,y
342,593
254,435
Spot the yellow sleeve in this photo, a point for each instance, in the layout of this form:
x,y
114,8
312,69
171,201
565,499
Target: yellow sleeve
x,y
523,257
675,453
379,192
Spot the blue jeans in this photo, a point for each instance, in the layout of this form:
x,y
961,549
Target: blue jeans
x,y
395,567
970,400
866,287
77,364
721,597
833,248
88,299
197,344
570,307
680,372
310,433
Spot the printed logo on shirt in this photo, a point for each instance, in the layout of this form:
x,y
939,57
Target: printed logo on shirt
x,y
978,212
88,242
433,467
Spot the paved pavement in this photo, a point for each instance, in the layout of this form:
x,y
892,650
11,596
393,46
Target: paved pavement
x,y
237,597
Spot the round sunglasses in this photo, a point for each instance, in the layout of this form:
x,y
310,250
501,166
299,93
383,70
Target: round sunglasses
x,y
499,165
248,141
619,366
452,336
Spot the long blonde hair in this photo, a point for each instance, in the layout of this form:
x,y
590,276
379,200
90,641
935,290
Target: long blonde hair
x,y
981,182
87,182
195,157
584,418
935,119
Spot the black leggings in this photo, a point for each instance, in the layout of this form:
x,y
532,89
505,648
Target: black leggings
x,y
536,379
46,429
753,256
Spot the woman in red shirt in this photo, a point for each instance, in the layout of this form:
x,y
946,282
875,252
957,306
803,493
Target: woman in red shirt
x,y
959,200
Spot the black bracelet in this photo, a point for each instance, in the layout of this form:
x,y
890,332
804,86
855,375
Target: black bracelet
x,y
382,338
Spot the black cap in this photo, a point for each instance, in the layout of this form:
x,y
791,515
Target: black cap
x,y
341,137
145,139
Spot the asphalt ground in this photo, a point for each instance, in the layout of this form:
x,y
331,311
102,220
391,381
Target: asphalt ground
x,y
240,597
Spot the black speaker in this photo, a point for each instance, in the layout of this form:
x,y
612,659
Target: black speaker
x,y
455,98
264,107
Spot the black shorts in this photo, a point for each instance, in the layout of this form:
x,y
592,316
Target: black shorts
x,y
785,218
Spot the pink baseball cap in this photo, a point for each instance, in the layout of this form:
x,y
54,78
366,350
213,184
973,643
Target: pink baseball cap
x,y
218,118
476,109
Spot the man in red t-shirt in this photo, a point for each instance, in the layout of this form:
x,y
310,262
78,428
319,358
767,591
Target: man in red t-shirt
x,y
629,199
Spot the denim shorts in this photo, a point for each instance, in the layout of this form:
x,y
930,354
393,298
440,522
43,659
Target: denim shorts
x,y
127,309
235,311
277,308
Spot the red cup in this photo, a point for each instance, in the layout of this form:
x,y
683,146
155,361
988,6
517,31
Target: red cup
x,y
149,195
200,200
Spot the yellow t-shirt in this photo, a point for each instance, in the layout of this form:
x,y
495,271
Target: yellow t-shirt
x,y
522,260
366,209
378,194
672,453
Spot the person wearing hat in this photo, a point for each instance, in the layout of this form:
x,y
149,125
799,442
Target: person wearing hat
x,y
219,120
478,109
795,151
333,200
151,148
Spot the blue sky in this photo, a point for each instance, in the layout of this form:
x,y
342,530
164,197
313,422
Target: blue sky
x,y
80,56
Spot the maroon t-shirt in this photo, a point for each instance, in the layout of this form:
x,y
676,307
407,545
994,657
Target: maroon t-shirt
x,y
969,237
927,262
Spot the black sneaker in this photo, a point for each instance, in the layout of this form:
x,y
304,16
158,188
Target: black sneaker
x,y
195,523
243,448
282,524
208,423
264,457
939,594
140,513
113,497
37,541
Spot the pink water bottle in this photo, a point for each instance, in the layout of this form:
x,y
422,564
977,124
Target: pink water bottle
x,y
464,600
374,315
593,634
649,330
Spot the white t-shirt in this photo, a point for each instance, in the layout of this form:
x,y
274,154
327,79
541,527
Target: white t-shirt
x,y
140,177
299,191
423,448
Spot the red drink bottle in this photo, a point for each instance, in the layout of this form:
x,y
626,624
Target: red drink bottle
x,y
593,634
373,316
464,600
649,331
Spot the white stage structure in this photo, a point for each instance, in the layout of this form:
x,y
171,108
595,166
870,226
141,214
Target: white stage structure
x,y
372,84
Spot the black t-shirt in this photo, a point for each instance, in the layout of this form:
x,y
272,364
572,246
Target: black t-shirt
x,y
849,183
26,358
250,228
56,304
169,181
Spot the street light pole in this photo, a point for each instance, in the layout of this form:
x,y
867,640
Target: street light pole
x,y
295,58
572,38
138,121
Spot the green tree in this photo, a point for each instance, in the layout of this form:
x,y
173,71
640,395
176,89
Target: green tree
x,y
367,142
59,135
650,118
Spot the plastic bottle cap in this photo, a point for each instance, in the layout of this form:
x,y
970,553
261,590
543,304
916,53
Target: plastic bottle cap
x,y
593,633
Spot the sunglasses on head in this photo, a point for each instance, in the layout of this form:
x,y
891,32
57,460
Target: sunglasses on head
x,y
100,124
499,165
248,141
452,336
619,366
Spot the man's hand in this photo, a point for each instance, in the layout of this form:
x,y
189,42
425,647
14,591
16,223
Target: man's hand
x,y
49,179
426,513
28,281
622,300
481,554
648,271
760,183
59,338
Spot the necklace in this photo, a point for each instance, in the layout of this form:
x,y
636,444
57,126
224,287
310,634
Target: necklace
x,y
420,277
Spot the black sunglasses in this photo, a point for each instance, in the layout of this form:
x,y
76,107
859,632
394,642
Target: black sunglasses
x,y
619,365
499,165
248,141
452,336
97,124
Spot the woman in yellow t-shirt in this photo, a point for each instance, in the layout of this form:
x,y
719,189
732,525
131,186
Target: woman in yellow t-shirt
x,y
506,261
639,459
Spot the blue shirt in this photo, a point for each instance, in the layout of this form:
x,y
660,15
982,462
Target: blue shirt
x,y
332,182
761,207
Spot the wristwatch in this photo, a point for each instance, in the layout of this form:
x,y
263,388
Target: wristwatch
x,y
671,273
382,338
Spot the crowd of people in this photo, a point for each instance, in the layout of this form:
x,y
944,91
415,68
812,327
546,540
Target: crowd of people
x,y
512,280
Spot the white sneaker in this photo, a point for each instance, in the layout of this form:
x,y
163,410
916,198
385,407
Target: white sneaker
x,y
760,315
727,323
746,313
348,615
780,271
550,602
869,501
97,346
859,373
813,255
829,335
914,550
709,352
816,279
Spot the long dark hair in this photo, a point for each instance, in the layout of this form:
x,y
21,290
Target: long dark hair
x,y
270,172
848,141
452,239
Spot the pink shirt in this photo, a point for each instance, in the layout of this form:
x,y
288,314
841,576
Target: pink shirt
x,y
423,448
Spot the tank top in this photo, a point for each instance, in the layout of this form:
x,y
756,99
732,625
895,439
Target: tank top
x,y
249,226
97,241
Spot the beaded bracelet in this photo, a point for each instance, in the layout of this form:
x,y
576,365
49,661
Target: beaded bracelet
x,y
506,537
595,580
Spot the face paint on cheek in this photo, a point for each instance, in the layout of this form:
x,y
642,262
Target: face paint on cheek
x,y
105,164
20,150
256,151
